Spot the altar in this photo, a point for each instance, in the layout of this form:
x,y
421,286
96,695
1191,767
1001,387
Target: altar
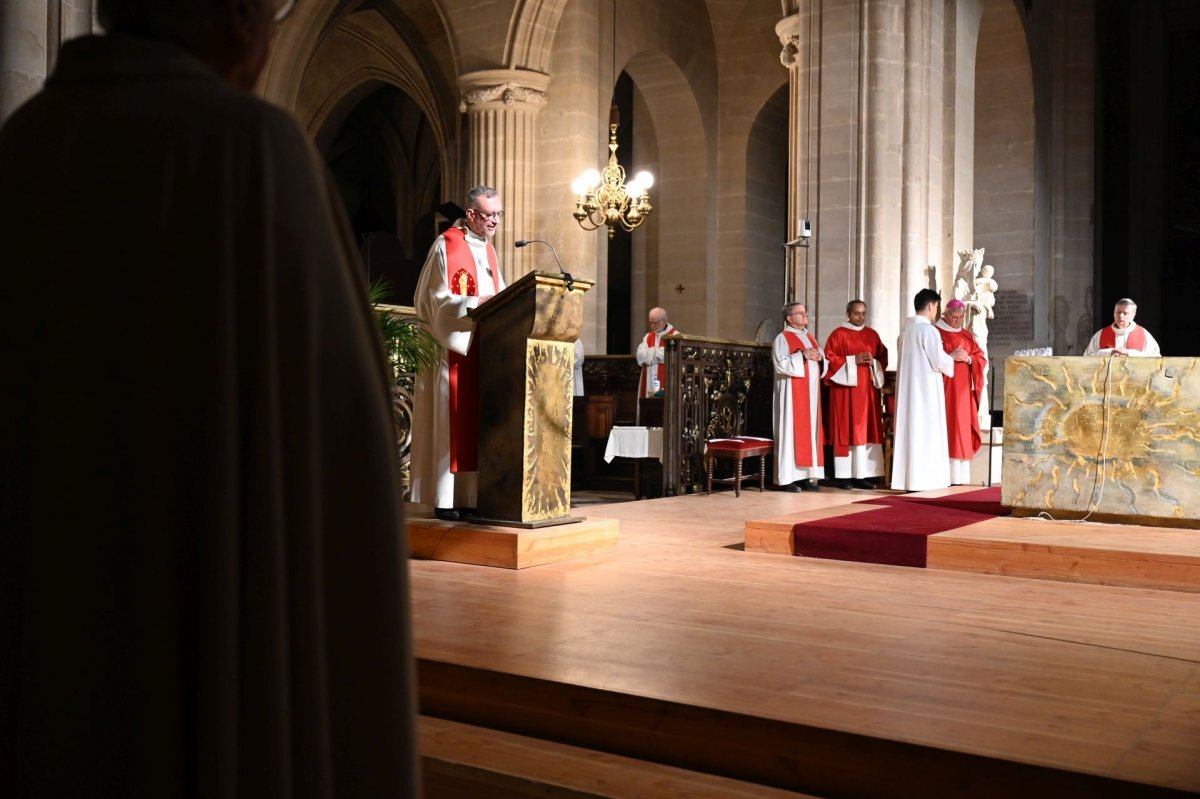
x,y
1108,439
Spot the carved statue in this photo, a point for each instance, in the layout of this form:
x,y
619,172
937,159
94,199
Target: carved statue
x,y
968,267
980,303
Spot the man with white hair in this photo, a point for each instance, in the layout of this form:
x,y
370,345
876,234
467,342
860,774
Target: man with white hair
x,y
651,354
799,438
1123,336
203,586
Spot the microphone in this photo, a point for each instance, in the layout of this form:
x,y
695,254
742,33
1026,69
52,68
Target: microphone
x,y
567,275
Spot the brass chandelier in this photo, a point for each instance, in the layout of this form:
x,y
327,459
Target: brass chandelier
x,y
604,198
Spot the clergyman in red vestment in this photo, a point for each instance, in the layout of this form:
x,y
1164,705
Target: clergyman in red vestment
x,y
460,272
857,361
962,391
799,442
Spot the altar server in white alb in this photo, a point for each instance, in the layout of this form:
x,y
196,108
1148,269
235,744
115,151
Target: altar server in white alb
x,y
921,460
1123,336
799,366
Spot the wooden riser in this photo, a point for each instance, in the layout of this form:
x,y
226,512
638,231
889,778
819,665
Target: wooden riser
x,y
761,750
461,760
1145,557
509,547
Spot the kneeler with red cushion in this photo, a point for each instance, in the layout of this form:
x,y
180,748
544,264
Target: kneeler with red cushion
x,y
738,448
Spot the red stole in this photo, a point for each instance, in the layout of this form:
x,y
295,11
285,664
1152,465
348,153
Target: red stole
x,y
462,279
802,432
652,340
1136,340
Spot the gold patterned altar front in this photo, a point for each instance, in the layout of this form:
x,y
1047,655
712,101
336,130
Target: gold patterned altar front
x,y
1111,439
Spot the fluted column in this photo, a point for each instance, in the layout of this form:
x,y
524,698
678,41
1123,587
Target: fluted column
x,y
796,35
866,150
501,106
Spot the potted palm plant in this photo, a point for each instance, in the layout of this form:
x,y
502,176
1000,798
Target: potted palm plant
x,y
410,350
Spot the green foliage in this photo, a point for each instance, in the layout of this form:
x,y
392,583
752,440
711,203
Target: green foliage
x,y
410,348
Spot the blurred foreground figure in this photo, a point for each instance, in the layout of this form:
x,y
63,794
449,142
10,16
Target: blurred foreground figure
x,y
203,582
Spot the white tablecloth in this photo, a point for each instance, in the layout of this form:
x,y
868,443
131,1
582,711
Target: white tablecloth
x,y
634,442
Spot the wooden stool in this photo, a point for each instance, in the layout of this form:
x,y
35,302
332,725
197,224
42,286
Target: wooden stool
x,y
739,448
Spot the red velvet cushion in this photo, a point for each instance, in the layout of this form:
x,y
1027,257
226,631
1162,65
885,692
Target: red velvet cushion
x,y
735,444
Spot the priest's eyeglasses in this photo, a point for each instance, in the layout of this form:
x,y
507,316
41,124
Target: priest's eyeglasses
x,y
495,216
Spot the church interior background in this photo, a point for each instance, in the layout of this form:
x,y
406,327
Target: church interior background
x,y
1060,137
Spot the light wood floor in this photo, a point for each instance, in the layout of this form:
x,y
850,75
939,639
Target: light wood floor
x,y
679,647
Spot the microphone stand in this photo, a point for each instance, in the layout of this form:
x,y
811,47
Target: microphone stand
x,y
566,275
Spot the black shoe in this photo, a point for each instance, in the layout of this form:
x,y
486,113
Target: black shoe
x,y
868,485
808,485
448,514
839,482
793,487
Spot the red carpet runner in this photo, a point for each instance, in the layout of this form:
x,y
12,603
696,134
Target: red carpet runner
x,y
895,533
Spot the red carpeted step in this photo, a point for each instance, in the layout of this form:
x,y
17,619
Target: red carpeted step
x,y
985,501
894,534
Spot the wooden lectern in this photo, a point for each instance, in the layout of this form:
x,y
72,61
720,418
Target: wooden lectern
x,y
527,339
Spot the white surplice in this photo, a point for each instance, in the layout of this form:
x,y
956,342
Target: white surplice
x,y
787,366
920,460
444,314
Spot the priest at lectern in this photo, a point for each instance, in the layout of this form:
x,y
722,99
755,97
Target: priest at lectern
x,y
460,272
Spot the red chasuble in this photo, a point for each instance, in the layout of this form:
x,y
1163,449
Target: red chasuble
x,y
802,433
464,369
962,394
854,412
1136,340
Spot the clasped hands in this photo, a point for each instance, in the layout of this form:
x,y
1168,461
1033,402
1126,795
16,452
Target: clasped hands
x,y
960,355
812,353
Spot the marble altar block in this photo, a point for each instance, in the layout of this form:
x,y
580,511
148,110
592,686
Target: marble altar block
x,y
1118,438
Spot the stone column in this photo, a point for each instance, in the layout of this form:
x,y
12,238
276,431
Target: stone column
x,y
23,27
501,105
31,33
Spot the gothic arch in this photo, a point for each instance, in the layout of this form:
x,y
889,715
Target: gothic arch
x,y
531,34
682,229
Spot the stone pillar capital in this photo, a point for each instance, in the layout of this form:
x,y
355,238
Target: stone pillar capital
x,y
788,30
512,89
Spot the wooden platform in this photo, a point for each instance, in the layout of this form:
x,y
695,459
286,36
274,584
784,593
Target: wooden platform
x,y
509,547
1087,552
677,647
1156,557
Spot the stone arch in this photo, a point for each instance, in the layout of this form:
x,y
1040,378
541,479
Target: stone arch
x,y
678,248
418,29
531,34
764,223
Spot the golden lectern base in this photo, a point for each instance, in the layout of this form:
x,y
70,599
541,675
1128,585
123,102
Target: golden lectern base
x,y
509,547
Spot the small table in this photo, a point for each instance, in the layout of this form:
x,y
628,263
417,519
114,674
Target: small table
x,y
637,443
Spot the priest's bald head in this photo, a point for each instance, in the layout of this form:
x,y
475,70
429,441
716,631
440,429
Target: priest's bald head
x,y
230,36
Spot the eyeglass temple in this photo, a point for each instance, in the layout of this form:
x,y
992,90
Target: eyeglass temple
x,y
287,9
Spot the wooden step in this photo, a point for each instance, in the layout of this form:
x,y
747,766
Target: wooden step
x,y
461,760
1082,552
761,750
509,547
